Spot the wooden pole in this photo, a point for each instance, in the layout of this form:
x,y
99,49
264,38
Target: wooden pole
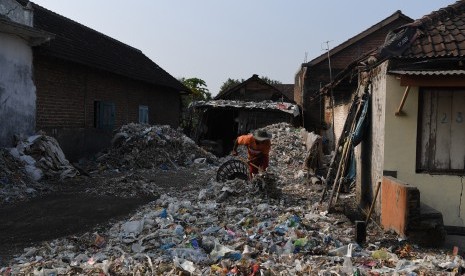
x,y
402,102
373,203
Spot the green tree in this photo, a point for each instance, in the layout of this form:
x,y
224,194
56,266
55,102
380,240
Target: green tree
x,y
199,92
198,87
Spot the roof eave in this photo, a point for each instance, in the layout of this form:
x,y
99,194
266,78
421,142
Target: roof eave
x,y
398,14
34,37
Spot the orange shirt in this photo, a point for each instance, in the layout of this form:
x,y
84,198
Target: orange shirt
x,y
253,149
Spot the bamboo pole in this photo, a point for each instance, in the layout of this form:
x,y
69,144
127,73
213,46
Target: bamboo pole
x,y
373,203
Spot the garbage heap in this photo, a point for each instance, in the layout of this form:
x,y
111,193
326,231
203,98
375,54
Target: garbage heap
x,y
246,233
136,146
43,157
23,168
287,154
15,184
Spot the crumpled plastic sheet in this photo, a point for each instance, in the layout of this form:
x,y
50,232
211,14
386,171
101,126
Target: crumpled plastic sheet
x,y
248,233
43,156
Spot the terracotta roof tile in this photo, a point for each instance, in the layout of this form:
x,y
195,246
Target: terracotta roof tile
x,y
460,37
442,33
451,47
461,46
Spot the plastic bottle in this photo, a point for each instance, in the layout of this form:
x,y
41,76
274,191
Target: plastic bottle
x,y
347,266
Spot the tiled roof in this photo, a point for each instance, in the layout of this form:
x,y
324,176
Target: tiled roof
x,y
77,43
441,33
286,89
255,78
397,16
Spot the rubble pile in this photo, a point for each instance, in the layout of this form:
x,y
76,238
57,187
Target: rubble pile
x,y
201,232
142,146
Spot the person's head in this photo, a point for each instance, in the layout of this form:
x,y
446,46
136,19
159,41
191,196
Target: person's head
x,y
261,136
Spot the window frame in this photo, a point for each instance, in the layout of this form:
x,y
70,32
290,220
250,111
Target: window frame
x,y
100,113
147,109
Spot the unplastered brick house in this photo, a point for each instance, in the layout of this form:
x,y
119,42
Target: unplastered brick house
x,y
87,84
317,109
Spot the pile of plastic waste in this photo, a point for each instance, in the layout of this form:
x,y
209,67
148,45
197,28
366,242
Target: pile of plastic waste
x,y
24,167
43,157
15,184
137,146
193,232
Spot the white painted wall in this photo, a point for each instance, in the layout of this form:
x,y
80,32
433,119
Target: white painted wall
x,y
17,90
442,192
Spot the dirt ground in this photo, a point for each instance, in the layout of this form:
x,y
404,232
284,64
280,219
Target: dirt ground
x,y
84,204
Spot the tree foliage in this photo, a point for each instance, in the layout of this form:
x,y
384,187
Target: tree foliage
x,y
270,81
198,87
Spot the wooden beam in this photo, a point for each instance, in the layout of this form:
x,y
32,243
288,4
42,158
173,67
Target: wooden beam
x,y
402,102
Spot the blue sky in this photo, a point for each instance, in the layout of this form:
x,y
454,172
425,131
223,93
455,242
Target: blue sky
x,y
219,39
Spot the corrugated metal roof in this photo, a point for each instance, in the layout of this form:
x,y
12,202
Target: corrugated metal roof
x,y
265,105
428,72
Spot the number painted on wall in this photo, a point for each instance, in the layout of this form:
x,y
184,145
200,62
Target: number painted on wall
x,y
459,118
444,118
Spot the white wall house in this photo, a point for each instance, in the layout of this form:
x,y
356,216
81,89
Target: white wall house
x,y
17,90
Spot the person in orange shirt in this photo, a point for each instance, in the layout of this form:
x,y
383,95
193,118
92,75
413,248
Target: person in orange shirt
x,y
258,149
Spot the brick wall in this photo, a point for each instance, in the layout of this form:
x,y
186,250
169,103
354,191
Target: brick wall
x,y
66,93
318,74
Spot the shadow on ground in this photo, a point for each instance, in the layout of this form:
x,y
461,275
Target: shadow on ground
x,y
56,216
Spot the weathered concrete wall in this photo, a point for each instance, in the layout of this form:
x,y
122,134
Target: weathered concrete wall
x,y
17,90
442,192
370,153
340,116
15,12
